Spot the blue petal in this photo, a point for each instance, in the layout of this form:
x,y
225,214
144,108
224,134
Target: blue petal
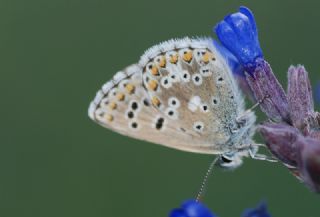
x,y
317,93
178,213
259,211
249,14
231,60
238,33
196,209
191,208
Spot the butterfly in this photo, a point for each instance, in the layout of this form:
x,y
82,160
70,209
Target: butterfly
x,y
181,94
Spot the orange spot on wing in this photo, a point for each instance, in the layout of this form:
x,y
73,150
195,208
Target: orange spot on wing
x,y
153,85
113,105
207,57
154,70
120,96
187,56
162,62
130,88
109,118
173,58
155,101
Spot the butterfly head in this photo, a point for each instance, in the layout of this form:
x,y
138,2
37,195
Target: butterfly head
x,y
233,160
230,161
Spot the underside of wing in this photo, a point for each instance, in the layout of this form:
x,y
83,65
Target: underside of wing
x,y
124,106
191,83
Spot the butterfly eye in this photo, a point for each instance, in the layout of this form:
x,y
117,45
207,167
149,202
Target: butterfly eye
x,y
197,79
198,126
225,159
229,161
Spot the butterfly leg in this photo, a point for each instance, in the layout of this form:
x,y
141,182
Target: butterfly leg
x,y
261,156
248,111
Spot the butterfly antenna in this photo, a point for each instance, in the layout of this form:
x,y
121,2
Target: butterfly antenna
x,y
205,179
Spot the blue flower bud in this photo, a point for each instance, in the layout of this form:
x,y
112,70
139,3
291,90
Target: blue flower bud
x,y
192,208
317,93
238,33
259,211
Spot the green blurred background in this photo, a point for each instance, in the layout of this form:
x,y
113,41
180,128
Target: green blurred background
x,y
54,161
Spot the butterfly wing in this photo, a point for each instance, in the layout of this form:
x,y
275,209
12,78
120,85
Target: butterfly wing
x,y
124,106
181,95
193,85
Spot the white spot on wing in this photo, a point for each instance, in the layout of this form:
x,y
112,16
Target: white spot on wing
x,y
194,103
